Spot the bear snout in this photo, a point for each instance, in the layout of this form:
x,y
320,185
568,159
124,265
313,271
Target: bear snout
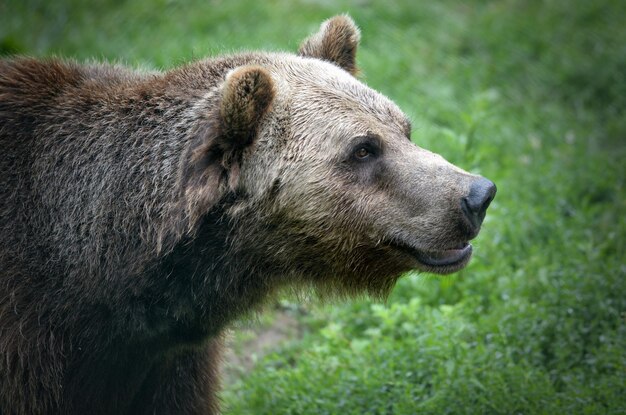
x,y
475,204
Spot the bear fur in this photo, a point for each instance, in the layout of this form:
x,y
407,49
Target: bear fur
x,y
143,212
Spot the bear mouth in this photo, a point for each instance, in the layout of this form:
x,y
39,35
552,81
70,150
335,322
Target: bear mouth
x,y
438,261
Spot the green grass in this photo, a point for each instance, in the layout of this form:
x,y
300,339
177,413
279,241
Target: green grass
x,y
531,94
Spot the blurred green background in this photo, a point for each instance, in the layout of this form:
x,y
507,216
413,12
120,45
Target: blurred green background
x,y
531,94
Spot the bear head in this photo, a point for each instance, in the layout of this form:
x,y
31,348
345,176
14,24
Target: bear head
x,y
320,176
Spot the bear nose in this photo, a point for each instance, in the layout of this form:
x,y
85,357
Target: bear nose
x,y
475,204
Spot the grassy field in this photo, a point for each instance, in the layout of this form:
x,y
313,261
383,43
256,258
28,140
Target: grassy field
x,y
531,94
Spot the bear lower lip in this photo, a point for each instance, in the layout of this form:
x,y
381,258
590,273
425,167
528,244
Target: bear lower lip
x,y
444,258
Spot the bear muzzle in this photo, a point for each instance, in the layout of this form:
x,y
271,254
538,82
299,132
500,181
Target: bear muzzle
x,y
453,251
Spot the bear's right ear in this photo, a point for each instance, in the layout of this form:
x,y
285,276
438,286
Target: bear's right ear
x,y
213,163
336,42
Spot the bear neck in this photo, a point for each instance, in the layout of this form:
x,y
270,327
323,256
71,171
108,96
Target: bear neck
x,y
211,278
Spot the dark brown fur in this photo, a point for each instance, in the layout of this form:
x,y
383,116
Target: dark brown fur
x,y
141,213
93,213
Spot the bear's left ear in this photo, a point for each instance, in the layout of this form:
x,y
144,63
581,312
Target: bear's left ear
x,y
213,163
336,42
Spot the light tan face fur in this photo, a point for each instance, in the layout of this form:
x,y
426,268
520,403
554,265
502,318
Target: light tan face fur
x,y
396,209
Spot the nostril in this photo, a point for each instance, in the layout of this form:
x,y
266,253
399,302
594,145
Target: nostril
x,y
492,195
475,204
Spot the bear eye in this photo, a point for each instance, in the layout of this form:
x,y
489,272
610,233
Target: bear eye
x,y
362,153
366,149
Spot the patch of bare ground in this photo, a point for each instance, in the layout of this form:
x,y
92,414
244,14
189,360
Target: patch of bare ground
x,y
255,338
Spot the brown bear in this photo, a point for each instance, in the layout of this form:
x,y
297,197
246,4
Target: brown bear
x,y
143,212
